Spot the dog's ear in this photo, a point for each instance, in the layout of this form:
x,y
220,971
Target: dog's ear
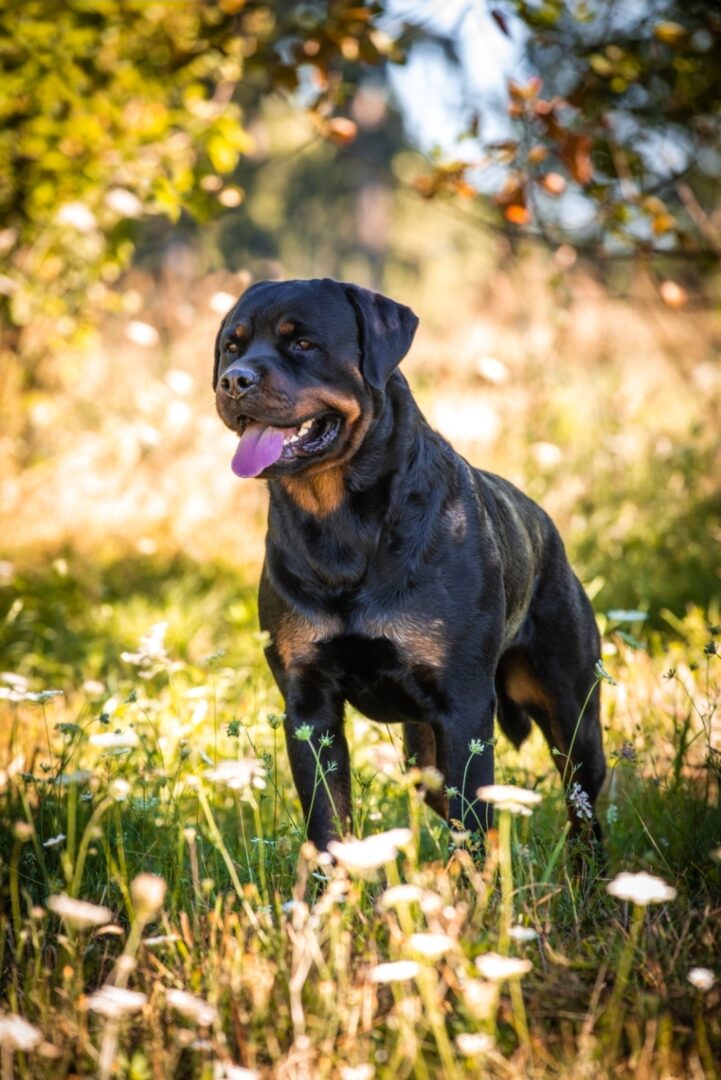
x,y
386,331
216,358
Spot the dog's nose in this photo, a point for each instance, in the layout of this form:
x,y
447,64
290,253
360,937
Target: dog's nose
x,y
237,381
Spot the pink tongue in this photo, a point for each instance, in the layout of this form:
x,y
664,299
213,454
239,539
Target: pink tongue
x,y
258,448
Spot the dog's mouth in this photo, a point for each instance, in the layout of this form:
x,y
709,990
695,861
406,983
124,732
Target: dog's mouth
x,y
262,445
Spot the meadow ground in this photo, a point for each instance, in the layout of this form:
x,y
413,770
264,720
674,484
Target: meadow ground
x,y
133,678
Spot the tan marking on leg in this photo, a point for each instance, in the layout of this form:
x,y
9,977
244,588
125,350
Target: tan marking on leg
x,y
525,690
296,637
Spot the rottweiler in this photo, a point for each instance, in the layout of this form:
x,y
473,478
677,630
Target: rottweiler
x,y
397,577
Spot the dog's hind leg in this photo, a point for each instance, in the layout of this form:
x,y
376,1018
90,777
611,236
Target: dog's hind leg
x,y
541,687
420,747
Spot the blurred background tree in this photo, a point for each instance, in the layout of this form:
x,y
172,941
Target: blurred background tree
x,y
118,117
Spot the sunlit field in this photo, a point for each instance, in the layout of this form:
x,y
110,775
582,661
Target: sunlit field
x,y
142,765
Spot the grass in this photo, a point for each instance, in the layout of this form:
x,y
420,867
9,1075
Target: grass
x,y
122,775
118,515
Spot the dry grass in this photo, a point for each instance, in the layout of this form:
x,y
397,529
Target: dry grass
x,y
118,510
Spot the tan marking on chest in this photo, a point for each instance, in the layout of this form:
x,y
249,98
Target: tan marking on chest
x,y
319,494
419,642
296,637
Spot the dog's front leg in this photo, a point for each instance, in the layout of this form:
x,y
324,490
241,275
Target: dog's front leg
x,y
464,740
318,753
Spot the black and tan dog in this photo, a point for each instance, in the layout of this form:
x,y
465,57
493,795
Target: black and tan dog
x,y
397,577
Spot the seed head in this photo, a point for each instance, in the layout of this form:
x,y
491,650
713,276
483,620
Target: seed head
x,y
148,893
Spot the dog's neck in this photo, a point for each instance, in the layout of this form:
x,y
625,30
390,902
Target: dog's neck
x,y
330,525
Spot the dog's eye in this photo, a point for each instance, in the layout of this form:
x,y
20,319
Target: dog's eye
x,y
232,347
303,344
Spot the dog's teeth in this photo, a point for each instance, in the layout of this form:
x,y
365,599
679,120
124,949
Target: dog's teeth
x,y
305,428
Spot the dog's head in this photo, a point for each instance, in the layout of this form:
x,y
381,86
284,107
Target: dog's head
x,y
300,368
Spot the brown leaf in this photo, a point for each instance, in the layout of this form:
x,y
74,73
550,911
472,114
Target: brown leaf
x,y
575,151
517,215
673,294
553,183
341,130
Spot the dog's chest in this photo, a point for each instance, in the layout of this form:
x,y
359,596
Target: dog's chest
x,y
415,641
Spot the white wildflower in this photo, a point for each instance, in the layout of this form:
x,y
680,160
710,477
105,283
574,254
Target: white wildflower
x,y
16,1033
362,856
114,740
516,800
12,769
18,682
151,649
42,696
395,971
78,216
471,1043
225,1070
641,889
702,978
480,997
238,774
499,968
522,933
398,895
431,946
9,694
357,1072
125,203
78,912
192,1007
80,776
93,687
110,930
161,939
115,1001
118,789
580,801
54,841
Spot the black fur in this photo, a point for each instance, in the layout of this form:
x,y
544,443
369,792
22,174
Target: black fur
x,y
397,577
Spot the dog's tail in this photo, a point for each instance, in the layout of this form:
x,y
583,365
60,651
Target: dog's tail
x,y
514,722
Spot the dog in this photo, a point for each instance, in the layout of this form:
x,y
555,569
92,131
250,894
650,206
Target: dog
x,y
396,576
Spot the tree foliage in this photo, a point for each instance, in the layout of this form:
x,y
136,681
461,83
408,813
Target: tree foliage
x,y
113,112
620,110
